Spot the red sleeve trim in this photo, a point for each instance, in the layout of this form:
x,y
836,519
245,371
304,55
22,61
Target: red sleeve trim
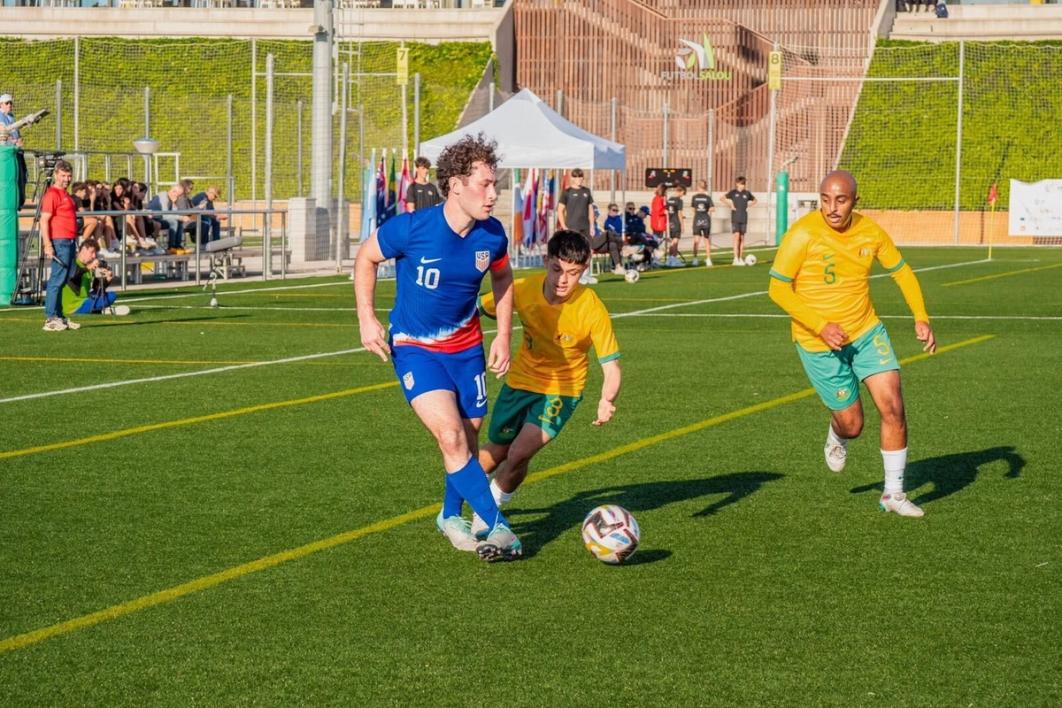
x,y
500,263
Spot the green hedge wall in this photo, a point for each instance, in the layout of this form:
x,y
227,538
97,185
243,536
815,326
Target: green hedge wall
x,y
190,80
901,144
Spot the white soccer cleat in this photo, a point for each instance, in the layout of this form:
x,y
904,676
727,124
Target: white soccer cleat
x,y
708,263
71,325
457,530
836,457
54,324
696,262
900,504
479,527
619,270
501,544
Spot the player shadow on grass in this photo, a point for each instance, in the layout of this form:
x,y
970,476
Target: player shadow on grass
x,y
636,498
951,473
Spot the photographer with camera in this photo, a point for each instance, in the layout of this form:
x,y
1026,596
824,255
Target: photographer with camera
x,y
7,117
58,239
86,288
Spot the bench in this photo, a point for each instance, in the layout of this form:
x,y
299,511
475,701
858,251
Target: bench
x,y
166,264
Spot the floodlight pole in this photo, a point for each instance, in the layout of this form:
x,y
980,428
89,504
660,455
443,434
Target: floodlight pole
x,y
298,144
958,141
267,235
321,153
147,133
341,205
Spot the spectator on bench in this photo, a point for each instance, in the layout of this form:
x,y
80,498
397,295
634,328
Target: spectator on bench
x,y
639,246
134,227
606,241
173,223
211,219
184,203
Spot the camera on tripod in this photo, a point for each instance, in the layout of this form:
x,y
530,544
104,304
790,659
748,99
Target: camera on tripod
x,y
46,160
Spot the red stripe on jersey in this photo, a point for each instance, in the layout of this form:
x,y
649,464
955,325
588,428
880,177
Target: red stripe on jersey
x,y
500,263
467,336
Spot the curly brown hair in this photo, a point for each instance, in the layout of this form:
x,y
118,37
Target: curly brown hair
x,y
457,159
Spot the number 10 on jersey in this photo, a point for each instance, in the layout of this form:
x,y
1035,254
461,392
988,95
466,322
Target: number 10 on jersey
x,y
427,277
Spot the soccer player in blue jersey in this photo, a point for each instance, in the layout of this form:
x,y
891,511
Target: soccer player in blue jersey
x,y
434,337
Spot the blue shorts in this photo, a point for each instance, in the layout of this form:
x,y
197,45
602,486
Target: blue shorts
x,y
836,375
464,373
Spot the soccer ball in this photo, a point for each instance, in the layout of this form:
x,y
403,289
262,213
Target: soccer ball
x,y
611,533
632,276
750,259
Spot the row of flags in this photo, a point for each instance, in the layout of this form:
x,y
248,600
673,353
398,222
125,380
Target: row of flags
x,y
535,201
384,195
386,185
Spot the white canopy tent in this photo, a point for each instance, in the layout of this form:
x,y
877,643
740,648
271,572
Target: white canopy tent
x,y
531,134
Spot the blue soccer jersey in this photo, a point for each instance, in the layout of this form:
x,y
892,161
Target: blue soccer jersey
x,y
438,275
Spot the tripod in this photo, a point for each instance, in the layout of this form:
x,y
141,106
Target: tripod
x,y
30,280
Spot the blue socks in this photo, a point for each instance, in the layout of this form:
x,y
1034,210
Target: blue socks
x,y
452,499
470,482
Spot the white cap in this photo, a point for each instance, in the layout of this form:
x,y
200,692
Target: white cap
x,y
6,98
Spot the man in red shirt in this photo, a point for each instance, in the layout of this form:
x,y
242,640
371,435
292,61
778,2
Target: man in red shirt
x,y
59,240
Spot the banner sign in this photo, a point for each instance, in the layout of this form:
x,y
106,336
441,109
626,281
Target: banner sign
x,y
1036,208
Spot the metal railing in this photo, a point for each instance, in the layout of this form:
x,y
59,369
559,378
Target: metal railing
x,y
266,248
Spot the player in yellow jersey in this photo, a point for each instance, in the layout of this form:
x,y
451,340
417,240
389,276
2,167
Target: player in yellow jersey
x,y
820,276
561,321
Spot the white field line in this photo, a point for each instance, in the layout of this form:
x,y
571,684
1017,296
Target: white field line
x,y
255,308
201,292
181,375
198,291
322,355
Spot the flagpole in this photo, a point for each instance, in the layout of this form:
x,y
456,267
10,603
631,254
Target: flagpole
x,y
512,218
991,226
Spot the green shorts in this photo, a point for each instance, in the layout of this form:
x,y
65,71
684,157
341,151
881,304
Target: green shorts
x,y
836,375
515,407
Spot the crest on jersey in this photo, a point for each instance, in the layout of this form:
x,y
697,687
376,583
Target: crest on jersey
x,y
482,260
407,380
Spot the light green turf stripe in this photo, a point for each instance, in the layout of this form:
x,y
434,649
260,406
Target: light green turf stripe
x,y
205,582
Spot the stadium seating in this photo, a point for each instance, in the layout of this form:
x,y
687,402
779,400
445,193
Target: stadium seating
x,y
982,23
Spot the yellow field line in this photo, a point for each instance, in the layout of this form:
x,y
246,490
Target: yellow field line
x,y
176,362
208,581
151,427
1001,275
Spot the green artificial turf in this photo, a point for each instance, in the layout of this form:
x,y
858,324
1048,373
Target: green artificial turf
x,y
762,578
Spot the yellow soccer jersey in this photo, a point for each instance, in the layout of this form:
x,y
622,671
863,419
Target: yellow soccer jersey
x,y
830,273
556,338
